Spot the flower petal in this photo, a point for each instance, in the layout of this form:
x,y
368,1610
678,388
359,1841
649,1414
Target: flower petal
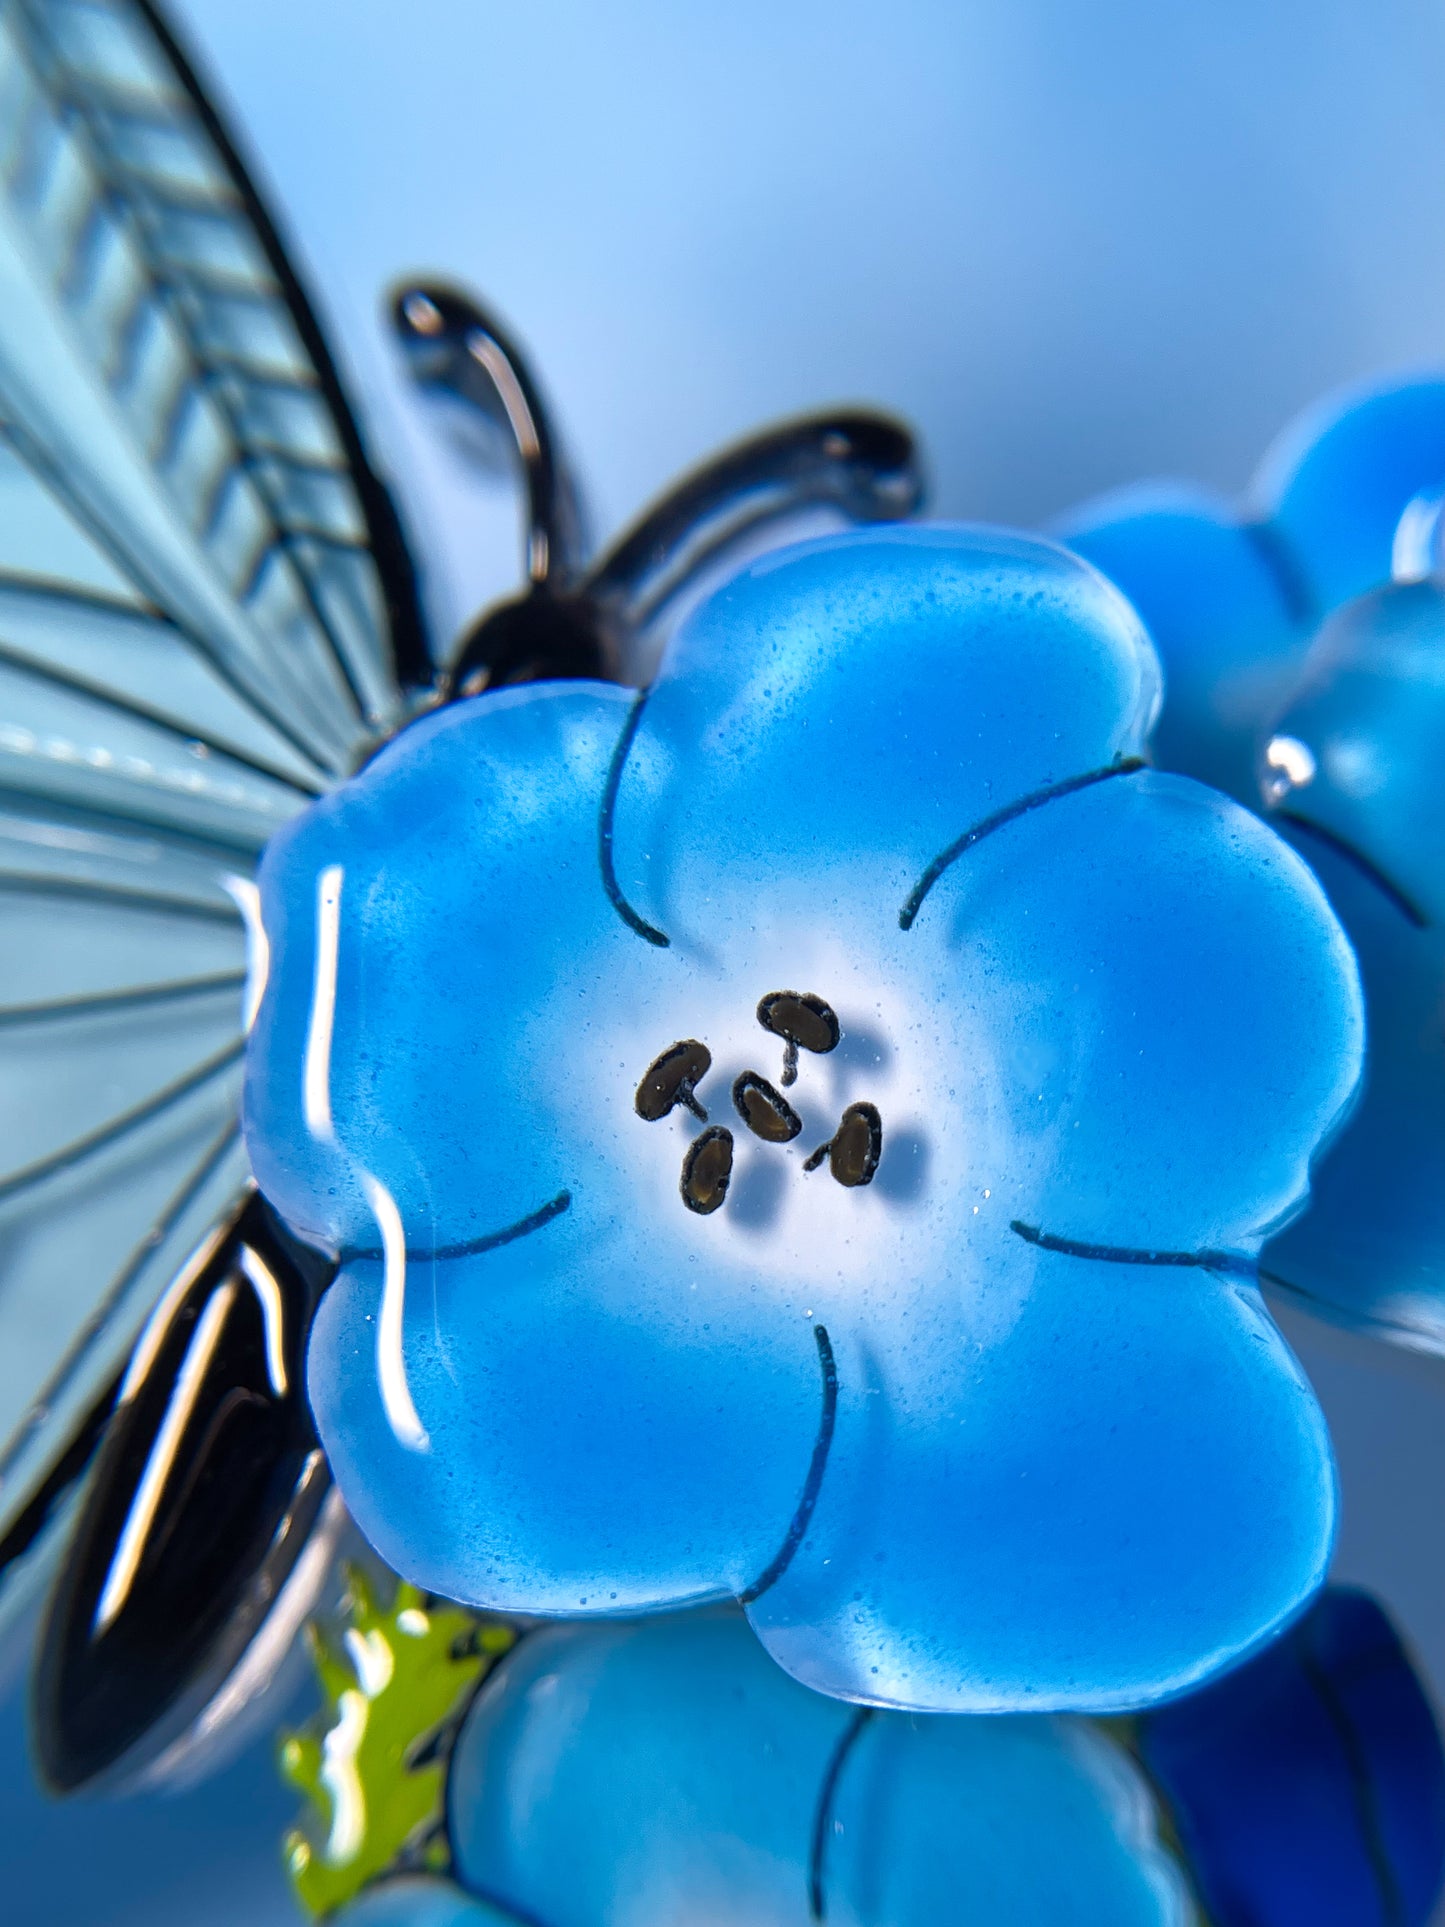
x,y
661,1771
1214,599
1335,484
1011,1821
1362,740
470,919
868,697
1370,1250
1174,1011
607,1426
1112,1488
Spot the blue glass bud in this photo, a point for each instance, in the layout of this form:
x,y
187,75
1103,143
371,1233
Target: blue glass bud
x,y
1303,639
665,1771
1310,1784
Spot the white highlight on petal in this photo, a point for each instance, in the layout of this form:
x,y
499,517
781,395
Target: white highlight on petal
x,y
273,1317
341,1779
247,899
316,1074
1291,765
1414,555
204,1339
390,1365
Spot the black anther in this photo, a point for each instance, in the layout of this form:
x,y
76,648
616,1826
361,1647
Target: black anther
x,y
799,1018
855,1147
707,1170
766,1112
671,1079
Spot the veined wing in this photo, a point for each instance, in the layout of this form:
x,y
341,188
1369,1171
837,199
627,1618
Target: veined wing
x,y
160,367
207,616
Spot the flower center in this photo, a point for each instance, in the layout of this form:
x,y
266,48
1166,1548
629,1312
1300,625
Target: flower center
x,y
803,1021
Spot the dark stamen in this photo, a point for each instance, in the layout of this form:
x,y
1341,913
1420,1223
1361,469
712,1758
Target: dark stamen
x,y
799,1019
857,1145
670,1080
766,1112
707,1170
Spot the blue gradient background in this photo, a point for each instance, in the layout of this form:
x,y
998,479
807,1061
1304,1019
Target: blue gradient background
x,y
1075,246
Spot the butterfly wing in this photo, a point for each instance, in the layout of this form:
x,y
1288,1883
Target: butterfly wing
x,y
207,616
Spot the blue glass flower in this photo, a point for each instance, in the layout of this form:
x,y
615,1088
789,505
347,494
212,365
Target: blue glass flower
x,y
804,1134
655,1772
1303,639
1309,1785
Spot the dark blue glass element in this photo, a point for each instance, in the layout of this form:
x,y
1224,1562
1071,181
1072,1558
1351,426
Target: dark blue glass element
x,y
1309,1785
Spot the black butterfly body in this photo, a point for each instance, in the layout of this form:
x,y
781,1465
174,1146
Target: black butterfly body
x,y
208,617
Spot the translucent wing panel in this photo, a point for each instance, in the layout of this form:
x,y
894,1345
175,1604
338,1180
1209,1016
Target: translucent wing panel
x,y
123,970
153,372
79,726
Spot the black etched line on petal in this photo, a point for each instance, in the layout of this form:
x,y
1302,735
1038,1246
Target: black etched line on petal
x,y
765,1111
1362,1788
1226,1261
812,1485
1121,766
473,1247
604,831
672,1079
823,1812
1358,861
707,1170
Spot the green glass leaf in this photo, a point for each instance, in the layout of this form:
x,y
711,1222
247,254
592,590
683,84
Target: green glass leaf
x,y
395,1682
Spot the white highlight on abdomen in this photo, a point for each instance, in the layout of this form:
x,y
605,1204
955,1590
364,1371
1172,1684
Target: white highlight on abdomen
x,y
273,1316
194,1365
316,1072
